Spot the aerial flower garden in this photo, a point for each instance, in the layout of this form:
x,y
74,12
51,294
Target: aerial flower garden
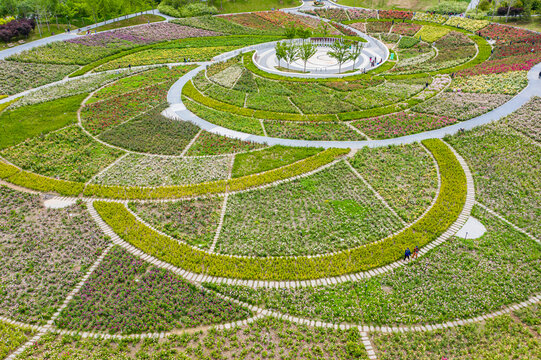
x,y
165,196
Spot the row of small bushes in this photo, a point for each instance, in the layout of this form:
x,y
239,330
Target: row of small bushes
x,y
438,219
32,181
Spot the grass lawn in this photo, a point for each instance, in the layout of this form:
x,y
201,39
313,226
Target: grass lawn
x,y
236,6
137,20
26,122
390,4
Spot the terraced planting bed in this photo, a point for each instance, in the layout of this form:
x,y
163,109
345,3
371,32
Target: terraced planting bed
x,y
158,209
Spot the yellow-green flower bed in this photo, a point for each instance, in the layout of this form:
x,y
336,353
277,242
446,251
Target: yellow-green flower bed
x,y
509,83
431,33
435,18
467,24
442,215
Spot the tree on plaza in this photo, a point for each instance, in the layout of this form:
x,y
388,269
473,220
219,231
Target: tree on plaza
x,y
306,51
281,51
340,52
355,51
292,53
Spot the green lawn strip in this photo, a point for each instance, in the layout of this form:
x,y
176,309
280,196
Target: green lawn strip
x,y
26,122
241,183
274,157
442,215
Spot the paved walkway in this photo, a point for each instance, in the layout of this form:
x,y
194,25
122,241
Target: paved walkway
x,y
177,110
65,36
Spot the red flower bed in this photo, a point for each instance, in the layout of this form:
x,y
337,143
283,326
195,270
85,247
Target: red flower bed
x,y
355,14
514,63
344,30
395,14
406,29
501,33
516,48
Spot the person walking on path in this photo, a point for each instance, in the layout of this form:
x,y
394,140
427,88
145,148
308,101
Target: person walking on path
x,y
407,254
415,252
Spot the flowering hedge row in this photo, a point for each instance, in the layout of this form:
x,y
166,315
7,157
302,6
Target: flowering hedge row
x,y
45,184
442,215
220,186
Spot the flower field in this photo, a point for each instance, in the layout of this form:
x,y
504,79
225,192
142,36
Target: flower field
x,y
144,299
430,33
325,212
468,24
192,221
361,14
267,337
505,165
18,76
278,227
104,115
514,63
142,34
499,337
403,296
405,176
312,131
527,119
461,106
405,29
44,252
12,337
152,133
509,83
401,124
137,81
395,14
140,170
165,56
271,158
67,154
71,88
430,17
